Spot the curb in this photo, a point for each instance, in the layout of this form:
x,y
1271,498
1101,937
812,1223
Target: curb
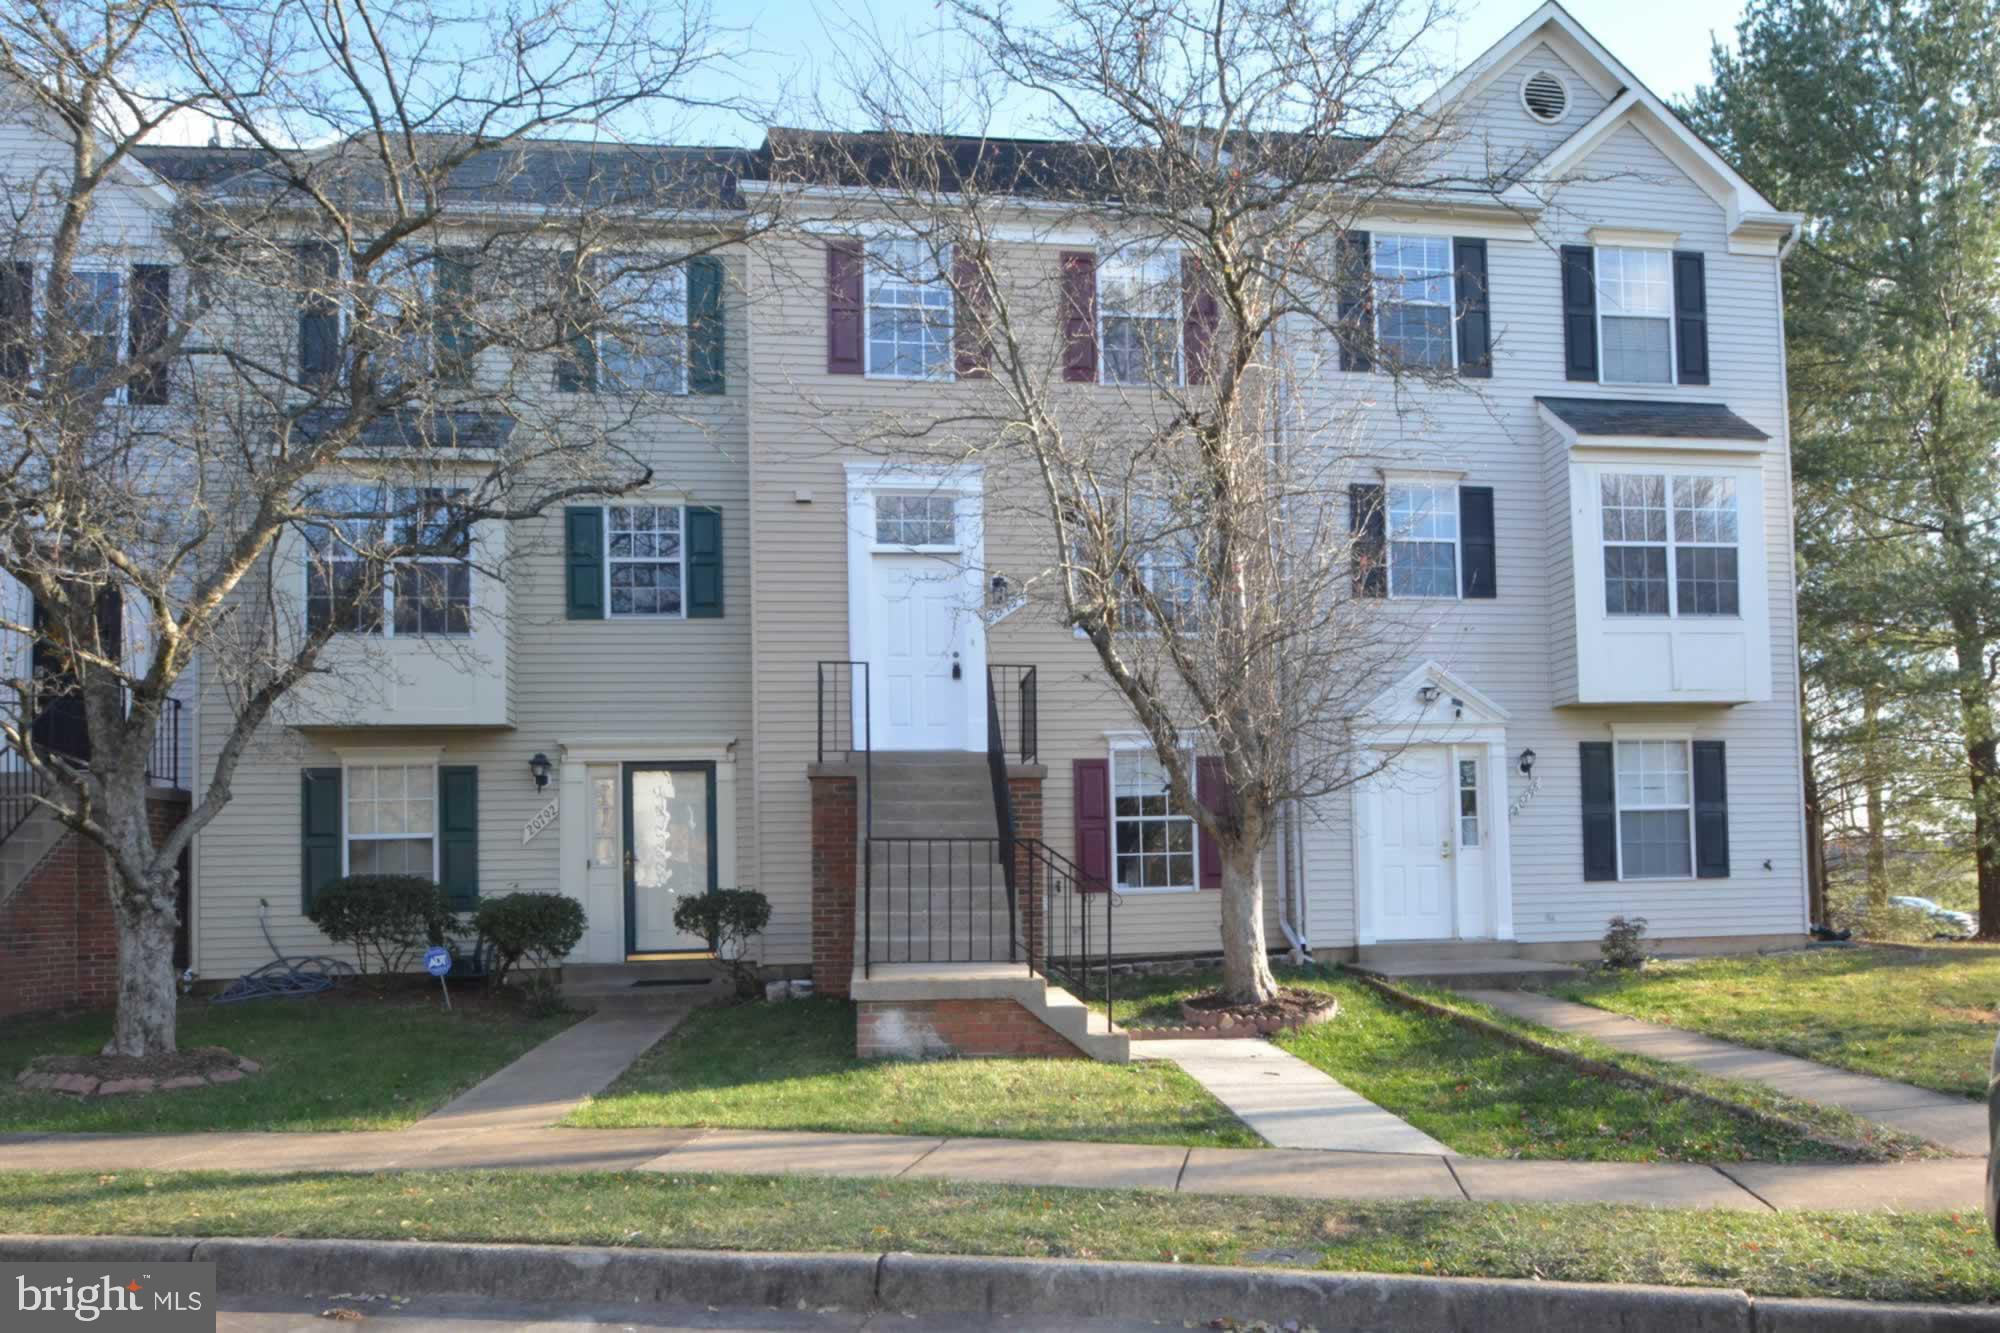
x,y
916,1284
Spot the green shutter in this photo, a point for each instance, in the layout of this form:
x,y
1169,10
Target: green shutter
x,y
456,334
583,562
319,831
704,563
705,326
458,834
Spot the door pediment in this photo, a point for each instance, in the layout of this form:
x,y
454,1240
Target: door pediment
x,y
1432,699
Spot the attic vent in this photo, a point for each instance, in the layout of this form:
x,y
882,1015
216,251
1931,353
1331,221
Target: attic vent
x,y
1544,96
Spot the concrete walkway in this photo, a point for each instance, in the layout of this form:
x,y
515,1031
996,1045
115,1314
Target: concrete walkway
x,y
563,1072
1954,1122
1287,1101
1950,1185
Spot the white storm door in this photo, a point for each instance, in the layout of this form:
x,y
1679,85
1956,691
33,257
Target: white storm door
x,y
1413,846
920,668
669,851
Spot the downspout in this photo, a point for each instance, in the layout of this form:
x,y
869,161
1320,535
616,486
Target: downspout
x,y
1288,872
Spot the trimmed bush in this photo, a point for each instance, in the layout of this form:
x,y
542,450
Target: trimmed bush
x,y
1624,943
728,919
389,919
532,930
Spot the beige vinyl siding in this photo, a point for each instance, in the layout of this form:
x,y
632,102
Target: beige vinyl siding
x,y
569,680
1519,649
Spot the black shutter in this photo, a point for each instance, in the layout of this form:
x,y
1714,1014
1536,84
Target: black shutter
x,y
704,563
1600,811
17,320
1691,315
583,562
1368,522
319,313
1355,270
319,831
1711,811
1475,320
152,285
1475,533
458,834
1579,296
705,347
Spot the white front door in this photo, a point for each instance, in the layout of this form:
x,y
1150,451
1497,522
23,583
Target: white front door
x,y
920,669
1413,846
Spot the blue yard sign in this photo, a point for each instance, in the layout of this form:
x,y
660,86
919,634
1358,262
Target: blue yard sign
x,y
437,962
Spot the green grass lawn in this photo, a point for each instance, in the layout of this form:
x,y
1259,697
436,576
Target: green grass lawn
x,y
1873,1256
1488,1099
330,1063
1926,1017
792,1066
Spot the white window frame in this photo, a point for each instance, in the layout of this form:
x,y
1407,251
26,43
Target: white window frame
x,y
1463,788
387,625
121,336
1128,746
1450,303
400,258
878,270
348,838
609,559
672,333
958,519
1390,483
1167,262
1621,737
1671,318
1673,545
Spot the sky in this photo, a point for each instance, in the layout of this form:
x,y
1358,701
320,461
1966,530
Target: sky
x,y
788,44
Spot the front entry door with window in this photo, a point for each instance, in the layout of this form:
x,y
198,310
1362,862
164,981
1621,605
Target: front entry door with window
x,y
921,667
669,851
1413,872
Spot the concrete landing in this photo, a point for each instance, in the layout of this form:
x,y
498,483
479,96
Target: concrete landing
x,y
1461,973
1290,1103
557,1076
1953,1122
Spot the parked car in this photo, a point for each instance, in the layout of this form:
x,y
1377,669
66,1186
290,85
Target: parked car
x,y
1962,923
1993,1144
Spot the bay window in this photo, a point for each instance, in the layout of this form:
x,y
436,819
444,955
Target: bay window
x,y
351,587
1653,522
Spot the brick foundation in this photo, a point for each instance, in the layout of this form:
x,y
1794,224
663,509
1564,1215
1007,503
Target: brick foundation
x,y
835,826
58,940
923,1029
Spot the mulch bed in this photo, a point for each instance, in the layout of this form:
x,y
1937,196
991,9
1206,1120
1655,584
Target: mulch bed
x,y
1211,1015
120,1075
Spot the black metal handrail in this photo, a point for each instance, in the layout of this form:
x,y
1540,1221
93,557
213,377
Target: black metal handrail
x,y
938,900
1066,919
22,785
1012,689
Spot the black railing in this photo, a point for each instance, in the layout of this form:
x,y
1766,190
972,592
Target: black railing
x,y
938,900
1065,920
843,692
22,786
1013,715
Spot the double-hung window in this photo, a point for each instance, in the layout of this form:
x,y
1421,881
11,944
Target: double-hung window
x,y
1413,301
398,313
1655,810
1654,522
1635,315
353,586
1422,523
1139,318
1153,839
909,311
645,350
96,306
392,819
643,560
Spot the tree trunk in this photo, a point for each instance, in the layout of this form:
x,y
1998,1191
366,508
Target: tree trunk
x,y
1878,839
1246,963
146,995
1982,753
1816,912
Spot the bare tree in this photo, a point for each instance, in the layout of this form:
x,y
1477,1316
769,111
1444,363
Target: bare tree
x,y
351,329
1197,526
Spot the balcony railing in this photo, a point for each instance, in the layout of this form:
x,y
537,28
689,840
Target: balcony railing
x,y
60,732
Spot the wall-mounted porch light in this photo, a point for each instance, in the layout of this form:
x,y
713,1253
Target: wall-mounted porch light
x,y
1528,763
1429,694
539,766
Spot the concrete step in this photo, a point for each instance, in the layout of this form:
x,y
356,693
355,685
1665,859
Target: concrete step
x,y
929,828
1505,973
1401,951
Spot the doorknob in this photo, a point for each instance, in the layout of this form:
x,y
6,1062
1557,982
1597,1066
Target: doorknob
x,y
1444,849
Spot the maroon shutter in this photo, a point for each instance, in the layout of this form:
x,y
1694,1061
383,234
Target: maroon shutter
x,y
1201,314
972,344
1091,799
1211,788
843,308
1079,317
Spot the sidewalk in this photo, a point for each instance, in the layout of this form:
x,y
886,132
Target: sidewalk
x,y
1288,1102
1950,1185
1954,1122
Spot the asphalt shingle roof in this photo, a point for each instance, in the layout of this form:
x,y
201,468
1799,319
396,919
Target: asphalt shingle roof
x,y
1642,416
